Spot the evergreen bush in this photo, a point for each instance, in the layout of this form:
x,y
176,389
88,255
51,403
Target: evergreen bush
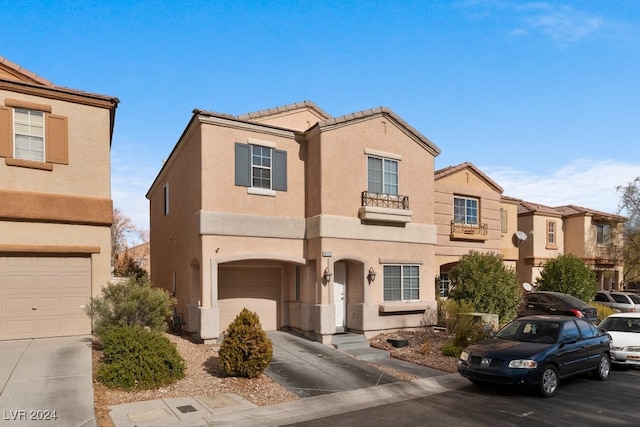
x,y
136,358
129,303
570,275
245,351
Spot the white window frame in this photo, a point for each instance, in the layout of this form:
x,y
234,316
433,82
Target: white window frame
x,y
405,277
444,285
603,234
29,134
466,218
257,166
386,172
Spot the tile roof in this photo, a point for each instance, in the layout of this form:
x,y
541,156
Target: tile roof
x,y
24,72
379,111
441,173
283,109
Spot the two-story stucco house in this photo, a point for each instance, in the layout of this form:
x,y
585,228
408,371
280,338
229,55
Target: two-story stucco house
x,y
317,223
55,203
594,236
472,215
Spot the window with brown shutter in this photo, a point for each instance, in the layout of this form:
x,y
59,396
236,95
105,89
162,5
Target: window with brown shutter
x,y
56,138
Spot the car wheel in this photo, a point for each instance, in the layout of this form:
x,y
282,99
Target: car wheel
x,y
604,368
549,381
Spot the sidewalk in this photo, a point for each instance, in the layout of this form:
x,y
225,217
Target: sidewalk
x,y
232,410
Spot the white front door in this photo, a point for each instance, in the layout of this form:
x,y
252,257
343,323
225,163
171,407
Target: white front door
x,y
339,300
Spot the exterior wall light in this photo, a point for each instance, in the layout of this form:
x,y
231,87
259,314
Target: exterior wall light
x,y
327,274
372,275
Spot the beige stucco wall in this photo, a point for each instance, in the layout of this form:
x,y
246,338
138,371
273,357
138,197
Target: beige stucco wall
x,y
299,119
88,172
466,183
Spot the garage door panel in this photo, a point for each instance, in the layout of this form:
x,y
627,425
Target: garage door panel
x,y
256,289
44,296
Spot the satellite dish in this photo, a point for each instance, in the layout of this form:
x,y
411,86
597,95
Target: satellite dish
x,y
521,235
527,287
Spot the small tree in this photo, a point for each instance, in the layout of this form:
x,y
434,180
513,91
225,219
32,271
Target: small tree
x,y
568,274
245,351
133,302
484,281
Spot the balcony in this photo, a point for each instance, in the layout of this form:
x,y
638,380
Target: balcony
x,y
608,254
377,207
463,231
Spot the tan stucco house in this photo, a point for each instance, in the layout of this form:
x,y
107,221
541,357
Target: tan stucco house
x,y
55,203
594,236
320,224
471,214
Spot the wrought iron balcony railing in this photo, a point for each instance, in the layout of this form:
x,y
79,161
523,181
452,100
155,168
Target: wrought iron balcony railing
x,y
385,200
462,230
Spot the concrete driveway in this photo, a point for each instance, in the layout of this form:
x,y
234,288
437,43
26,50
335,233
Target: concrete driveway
x,y
46,382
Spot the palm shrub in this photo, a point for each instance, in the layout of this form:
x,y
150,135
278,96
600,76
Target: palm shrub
x,y
135,358
245,350
604,311
129,303
568,274
464,329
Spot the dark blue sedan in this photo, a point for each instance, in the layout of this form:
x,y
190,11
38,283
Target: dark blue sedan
x,y
538,351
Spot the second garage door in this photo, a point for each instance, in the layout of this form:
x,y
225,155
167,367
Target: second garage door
x,y
257,289
44,296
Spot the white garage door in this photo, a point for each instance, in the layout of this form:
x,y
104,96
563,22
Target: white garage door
x,y
44,296
257,289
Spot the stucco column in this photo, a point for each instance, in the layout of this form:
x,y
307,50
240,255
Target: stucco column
x,y
210,312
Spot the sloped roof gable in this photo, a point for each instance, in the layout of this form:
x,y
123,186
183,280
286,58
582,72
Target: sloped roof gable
x,y
450,170
12,71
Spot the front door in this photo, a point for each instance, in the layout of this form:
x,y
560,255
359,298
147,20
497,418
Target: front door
x,y
339,300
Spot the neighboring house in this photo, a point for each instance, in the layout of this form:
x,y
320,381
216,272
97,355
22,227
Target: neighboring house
x,y
594,236
55,204
317,223
141,254
471,214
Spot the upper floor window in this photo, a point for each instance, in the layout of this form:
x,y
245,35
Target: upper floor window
x,y
401,282
504,218
165,194
260,167
465,210
30,134
382,175
603,234
551,234
28,126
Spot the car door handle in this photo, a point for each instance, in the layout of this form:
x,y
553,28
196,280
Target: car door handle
x,y
553,309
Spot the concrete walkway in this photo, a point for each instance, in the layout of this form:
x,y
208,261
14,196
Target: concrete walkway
x,y
46,382
330,381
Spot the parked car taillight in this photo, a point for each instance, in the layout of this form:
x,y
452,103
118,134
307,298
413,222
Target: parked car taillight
x,y
576,312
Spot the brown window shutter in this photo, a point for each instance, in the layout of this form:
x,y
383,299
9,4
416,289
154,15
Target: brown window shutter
x,y
6,132
56,139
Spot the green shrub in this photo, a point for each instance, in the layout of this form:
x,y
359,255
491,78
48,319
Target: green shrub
x,y
129,303
603,311
135,358
568,274
484,280
245,351
464,330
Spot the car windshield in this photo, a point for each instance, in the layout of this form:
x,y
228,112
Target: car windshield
x,y
621,324
537,331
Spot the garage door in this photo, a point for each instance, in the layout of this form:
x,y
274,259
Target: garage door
x,y
257,289
44,296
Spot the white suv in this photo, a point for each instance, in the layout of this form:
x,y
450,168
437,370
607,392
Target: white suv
x,y
625,302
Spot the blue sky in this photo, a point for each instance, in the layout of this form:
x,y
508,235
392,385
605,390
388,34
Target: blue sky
x,y
544,97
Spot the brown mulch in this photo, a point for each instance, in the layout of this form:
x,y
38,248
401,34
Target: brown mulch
x,y
205,377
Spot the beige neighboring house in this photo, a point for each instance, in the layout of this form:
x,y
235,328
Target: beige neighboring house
x,y
594,236
471,215
141,254
320,224
55,203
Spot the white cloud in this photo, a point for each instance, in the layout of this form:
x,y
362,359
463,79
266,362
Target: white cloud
x,y
563,24
582,182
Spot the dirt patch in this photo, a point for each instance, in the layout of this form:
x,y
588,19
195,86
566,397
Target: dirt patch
x,y
205,377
